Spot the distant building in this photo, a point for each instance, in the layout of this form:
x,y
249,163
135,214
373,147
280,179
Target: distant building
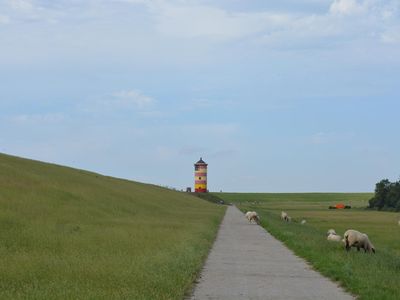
x,y
188,190
200,176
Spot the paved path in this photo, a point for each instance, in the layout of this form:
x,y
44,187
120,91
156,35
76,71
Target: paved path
x,y
246,262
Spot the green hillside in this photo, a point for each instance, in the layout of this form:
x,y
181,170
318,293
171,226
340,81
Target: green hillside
x,y
72,234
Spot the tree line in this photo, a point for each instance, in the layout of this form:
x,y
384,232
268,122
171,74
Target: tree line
x,y
387,196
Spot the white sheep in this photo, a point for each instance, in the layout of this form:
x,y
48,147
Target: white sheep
x,y
354,238
253,216
334,238
399,222
331,231
247,215
303,222
285,217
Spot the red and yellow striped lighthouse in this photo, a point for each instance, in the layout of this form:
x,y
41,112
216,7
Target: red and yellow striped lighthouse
x,y
200,176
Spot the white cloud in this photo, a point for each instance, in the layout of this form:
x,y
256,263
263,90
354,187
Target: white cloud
x,y
22,11
4,19
124,100
391,36
131,98
347,7
188,32
24,5
194,21
191,19
34,119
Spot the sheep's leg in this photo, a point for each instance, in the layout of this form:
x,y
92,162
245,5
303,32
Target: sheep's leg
x,y
347,244
358,248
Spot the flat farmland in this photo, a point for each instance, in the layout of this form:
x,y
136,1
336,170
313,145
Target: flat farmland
x,y
365,275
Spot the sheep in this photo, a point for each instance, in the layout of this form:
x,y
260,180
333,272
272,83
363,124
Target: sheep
x,y
399,222
354,238
303,222
331,231
253,216
334,237
285,217
247,215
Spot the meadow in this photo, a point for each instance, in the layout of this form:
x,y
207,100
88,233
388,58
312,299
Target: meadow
x,y
72,234
368,276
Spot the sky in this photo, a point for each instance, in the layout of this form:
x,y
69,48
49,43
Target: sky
x,y
276,96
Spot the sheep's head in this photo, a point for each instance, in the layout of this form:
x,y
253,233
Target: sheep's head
x,y
369,247
331,231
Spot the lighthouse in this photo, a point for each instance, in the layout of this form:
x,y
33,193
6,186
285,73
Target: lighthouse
x,y
200,176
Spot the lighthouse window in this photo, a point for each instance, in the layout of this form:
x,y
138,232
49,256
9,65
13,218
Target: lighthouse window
x,y
199,178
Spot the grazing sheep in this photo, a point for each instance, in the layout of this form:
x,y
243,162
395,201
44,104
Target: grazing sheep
x,y
354,238
253,216
247,215
334,237
399,222
285,217
303,222
331,231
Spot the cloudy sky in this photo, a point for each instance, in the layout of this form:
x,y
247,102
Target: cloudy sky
x,y
285,95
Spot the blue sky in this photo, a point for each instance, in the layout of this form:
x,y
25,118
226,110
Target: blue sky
x,y
277,96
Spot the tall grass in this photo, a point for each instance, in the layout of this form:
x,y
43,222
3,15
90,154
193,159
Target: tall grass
x,y
366,275
72,234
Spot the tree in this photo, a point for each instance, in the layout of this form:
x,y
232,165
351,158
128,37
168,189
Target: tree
x,y
387,196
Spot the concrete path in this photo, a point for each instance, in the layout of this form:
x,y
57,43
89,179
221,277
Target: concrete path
x,y
246,262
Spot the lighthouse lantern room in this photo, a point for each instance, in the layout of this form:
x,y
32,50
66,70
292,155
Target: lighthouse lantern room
x,y
200,176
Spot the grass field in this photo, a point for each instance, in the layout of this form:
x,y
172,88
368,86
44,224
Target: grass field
x,y
366,275
72,234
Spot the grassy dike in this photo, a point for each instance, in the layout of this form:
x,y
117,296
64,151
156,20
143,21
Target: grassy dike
x,y
73,234
371,277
